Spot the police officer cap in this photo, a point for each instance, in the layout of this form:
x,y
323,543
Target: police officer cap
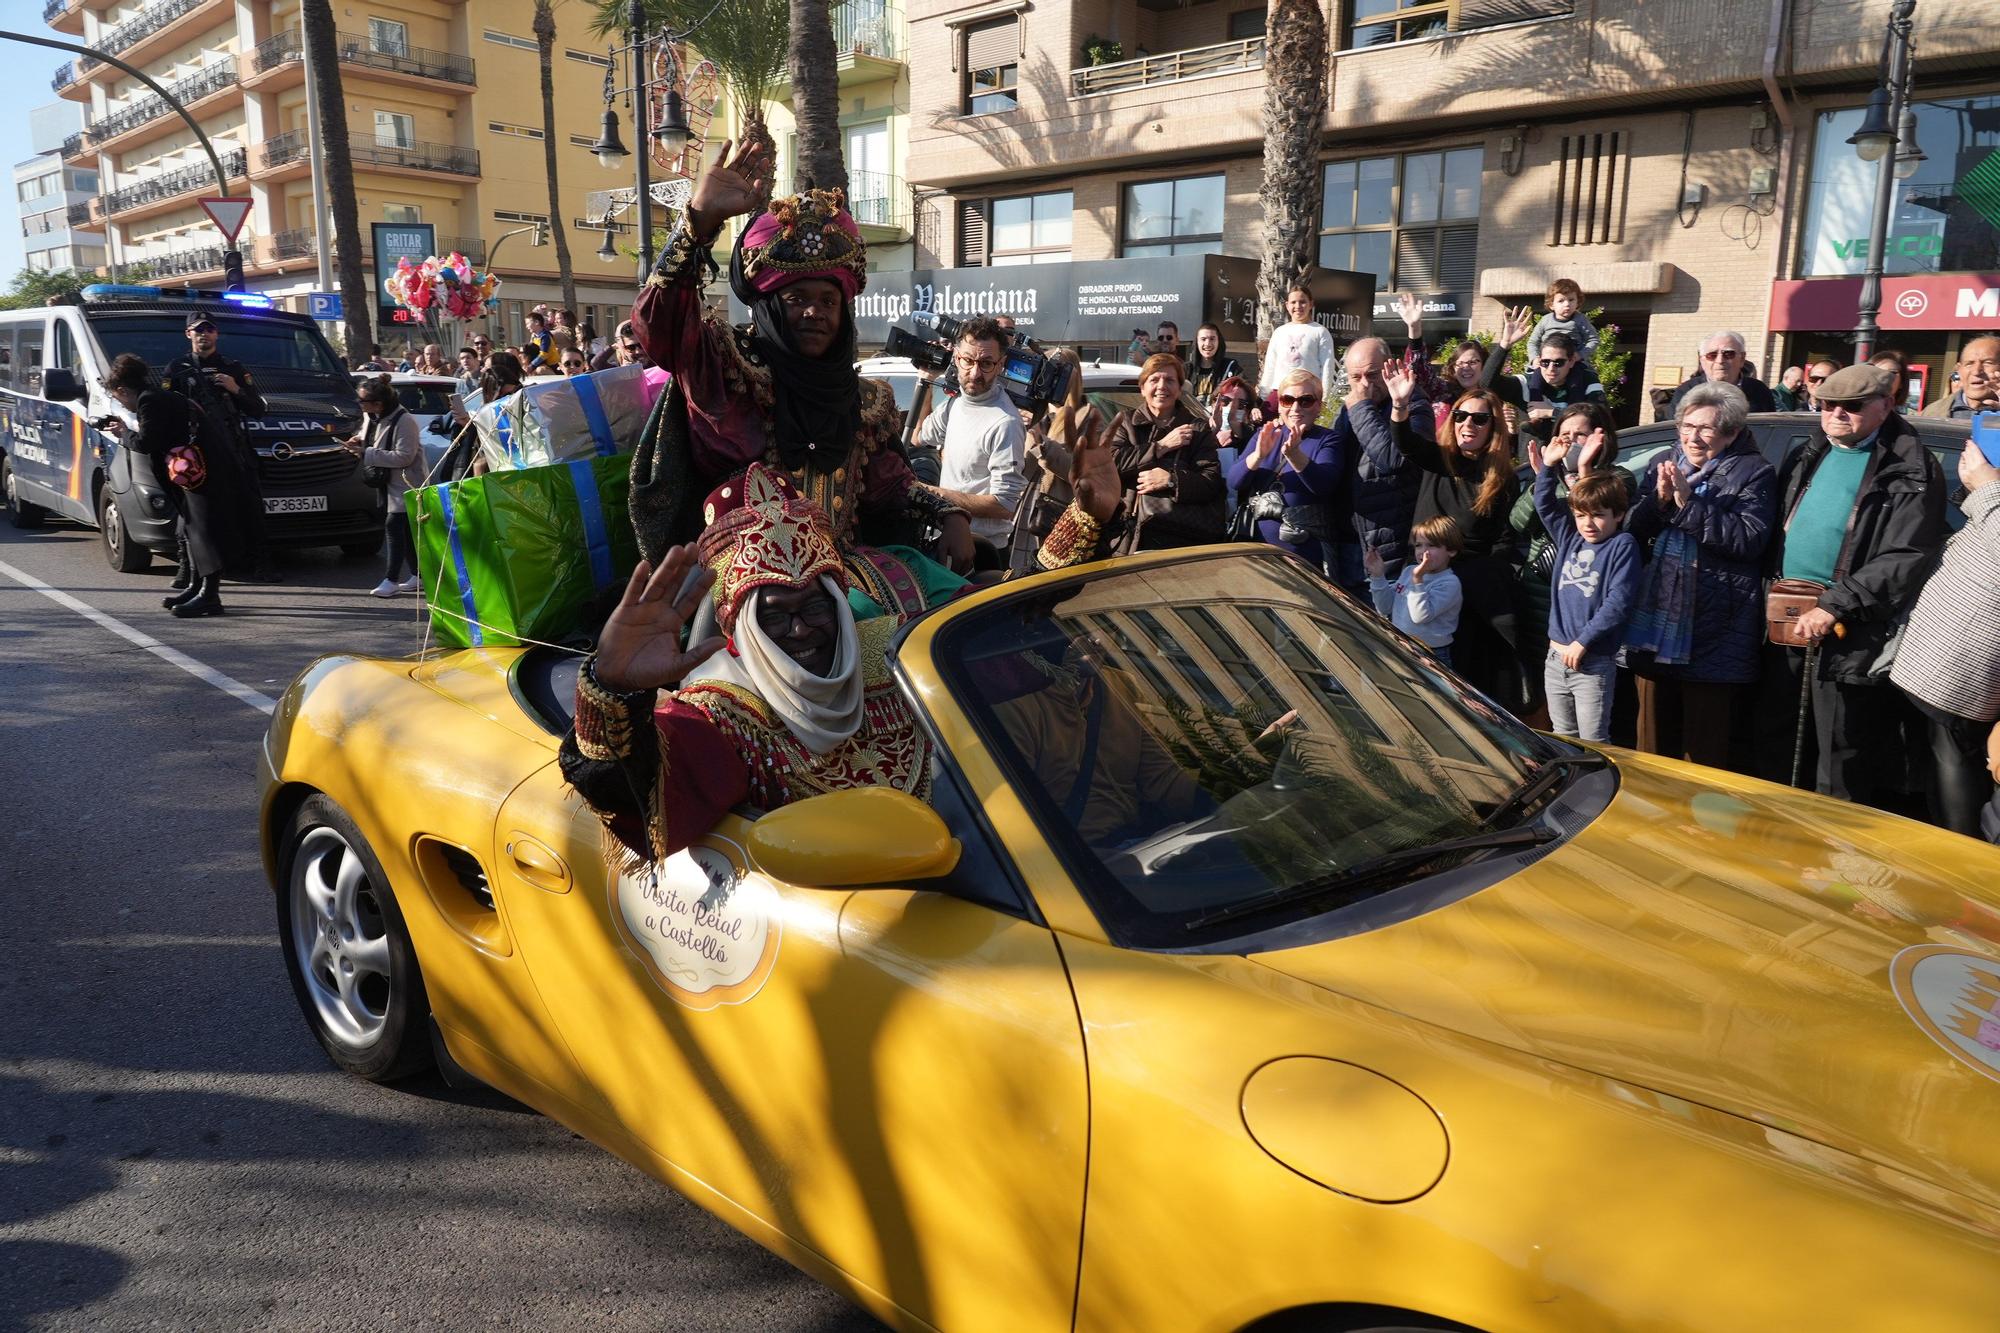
x,y
1856,384
201,317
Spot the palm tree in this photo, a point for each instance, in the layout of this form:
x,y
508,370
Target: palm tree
x,y
1295,60
545,38
356,300
816,97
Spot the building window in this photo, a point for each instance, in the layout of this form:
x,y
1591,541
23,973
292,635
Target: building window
x,y
403,214
84,182
509,39
1379,22
1411,221
992,66
513,131
583,140
393,129
1940,216
388,37
1245,24
1177,217
521,219
586,57
1031,229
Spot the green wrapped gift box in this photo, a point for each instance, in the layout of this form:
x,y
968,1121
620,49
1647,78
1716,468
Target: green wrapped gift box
x,y
512,556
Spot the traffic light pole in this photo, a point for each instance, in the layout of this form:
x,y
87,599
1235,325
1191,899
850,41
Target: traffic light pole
x,y
232,258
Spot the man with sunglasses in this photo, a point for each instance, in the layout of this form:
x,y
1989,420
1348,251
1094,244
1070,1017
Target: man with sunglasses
x,y
1725,360
221,387
1559,378
1816,375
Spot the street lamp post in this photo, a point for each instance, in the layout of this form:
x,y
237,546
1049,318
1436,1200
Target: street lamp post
x,y
672,131
1887,122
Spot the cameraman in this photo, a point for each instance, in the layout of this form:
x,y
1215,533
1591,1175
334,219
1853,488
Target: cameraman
x,y
980,440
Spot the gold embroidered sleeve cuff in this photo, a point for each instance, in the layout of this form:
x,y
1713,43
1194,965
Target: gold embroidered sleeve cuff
x,y
607,720
1074,540
685,259
929,502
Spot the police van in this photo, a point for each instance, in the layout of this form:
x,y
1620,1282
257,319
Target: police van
x,y
54,463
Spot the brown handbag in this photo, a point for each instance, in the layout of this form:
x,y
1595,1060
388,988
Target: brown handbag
x,y
1784,603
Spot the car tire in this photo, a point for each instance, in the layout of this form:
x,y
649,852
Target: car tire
x,y
121,550
19,512
367,547
347,949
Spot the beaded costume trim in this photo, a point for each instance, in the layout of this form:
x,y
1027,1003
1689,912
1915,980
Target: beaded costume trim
x,y
605,718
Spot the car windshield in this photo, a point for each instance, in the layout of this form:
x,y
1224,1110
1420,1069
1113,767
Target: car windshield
x,y
281,354
1221,732
425,399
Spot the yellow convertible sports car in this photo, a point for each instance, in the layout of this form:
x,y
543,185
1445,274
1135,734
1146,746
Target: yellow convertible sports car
x,y
1243,970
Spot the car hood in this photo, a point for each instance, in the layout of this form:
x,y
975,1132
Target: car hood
x,y
1731,943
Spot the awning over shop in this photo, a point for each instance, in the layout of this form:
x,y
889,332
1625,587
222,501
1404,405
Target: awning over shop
x,y
1909,301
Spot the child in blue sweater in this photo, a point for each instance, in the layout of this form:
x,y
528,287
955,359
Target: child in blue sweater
x,y
1597,570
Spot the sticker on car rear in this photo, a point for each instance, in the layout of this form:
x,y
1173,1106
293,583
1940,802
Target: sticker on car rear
x,y
1953,994
706,931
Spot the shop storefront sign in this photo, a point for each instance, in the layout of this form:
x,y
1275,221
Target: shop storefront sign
x,y
1101,301
415,241
1909,301
1452,307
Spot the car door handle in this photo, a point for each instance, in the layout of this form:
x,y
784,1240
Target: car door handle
x,y
537,863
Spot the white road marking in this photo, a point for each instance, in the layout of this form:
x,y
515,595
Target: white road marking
x,y
201,671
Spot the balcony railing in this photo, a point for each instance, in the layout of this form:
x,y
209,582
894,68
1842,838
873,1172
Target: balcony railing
x,y
54,8
877,199
73,145
371,54
472,247
133,31
291,146
868,29
64,76
298,243
187,91
82,213
172,184
183,263
1198,62
356,49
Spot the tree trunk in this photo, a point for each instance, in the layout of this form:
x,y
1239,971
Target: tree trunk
x,y
1295,61
356,299
545,37
816,97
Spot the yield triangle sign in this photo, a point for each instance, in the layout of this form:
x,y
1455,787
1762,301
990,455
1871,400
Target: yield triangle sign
x,y
227,215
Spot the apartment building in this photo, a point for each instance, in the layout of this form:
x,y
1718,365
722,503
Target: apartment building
x,y
44,192
1681,161
443,114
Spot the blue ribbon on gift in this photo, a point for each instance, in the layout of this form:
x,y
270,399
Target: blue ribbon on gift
x,y
465,598
596,536
593,413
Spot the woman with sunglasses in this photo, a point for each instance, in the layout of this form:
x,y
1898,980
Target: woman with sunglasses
x,y
1292,477
1468,477
1166,457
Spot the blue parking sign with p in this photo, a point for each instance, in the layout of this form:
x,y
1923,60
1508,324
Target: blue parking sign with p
x,y
324,305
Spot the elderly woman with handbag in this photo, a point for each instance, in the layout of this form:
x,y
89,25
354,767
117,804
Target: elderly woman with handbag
x,y
203,480
1291,481
1167,458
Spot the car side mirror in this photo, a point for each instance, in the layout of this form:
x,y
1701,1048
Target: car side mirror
x,y
853,839
61,386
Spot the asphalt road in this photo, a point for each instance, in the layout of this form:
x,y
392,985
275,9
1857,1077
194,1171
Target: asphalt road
x,y
175,1151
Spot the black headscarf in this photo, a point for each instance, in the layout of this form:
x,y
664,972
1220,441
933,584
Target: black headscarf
x,y
816,409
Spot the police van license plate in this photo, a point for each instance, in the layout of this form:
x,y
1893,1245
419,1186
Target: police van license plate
x,y
295,504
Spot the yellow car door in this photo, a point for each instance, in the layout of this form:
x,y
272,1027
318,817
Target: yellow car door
x,y
886,1082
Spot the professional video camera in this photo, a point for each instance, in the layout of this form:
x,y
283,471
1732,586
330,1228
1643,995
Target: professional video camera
x,y
1031,381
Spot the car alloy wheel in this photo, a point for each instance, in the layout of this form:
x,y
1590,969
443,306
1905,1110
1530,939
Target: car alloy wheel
x,y
121,551
19,512
349,955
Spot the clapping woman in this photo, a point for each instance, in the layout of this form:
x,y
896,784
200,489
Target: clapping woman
x,y
1294,476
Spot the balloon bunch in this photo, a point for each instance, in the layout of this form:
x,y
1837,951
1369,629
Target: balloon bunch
x,y
446,286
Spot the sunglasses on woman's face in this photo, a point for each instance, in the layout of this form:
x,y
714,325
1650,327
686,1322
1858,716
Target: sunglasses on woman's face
x,y
1231,400
1287,400
1476,418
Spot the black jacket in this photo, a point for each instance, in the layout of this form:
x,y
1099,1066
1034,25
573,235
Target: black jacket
x,y
1196,507
189,376
1758,392
1894,538
1579,386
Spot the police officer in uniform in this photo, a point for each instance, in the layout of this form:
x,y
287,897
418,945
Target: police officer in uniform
x,y
222,389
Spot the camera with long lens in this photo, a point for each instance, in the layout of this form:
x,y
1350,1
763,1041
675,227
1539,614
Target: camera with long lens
x,y
1031,380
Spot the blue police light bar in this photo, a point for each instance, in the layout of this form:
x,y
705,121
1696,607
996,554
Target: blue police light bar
x,y
251,300
103,290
